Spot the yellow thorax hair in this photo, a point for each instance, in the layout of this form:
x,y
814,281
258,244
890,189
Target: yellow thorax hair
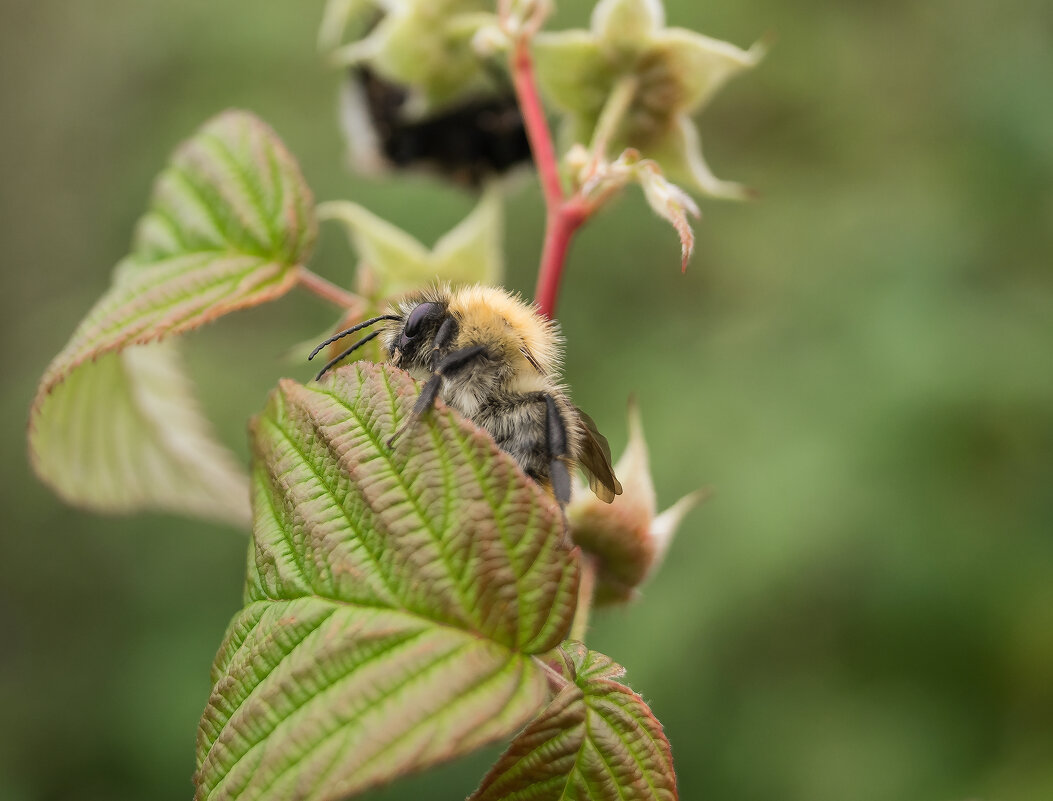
x,y
496,316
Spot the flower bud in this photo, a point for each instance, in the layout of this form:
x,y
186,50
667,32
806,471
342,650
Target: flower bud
x,y
421,91
627,538
669,73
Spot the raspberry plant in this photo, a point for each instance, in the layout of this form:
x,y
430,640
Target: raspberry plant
x,y
404,606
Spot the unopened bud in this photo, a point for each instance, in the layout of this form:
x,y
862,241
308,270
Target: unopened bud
x,y
627,538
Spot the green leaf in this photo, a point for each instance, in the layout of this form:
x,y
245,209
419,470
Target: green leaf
x,y
701,64
394,599
126,433
575,74
596,741
397,259
679,152
470,253
230,221
346,19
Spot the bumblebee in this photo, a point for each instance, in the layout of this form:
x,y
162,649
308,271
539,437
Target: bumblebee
x,y
494,359
469,142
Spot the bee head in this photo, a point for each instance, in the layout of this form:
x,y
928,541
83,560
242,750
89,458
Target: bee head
x,y
412,346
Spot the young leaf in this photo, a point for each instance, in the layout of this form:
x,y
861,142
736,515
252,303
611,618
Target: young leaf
x,y
596,741
230,221
470,253
394,597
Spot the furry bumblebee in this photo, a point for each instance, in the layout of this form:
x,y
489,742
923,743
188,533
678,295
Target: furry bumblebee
x,y
468,142
496,361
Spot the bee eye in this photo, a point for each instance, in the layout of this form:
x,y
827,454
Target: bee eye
x,y
417,317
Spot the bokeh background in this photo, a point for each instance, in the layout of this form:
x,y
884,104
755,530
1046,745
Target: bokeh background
x,y
860,366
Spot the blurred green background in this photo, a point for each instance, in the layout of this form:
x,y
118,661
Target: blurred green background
x,y
860,366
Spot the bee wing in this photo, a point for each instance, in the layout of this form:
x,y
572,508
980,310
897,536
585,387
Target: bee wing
x,y
595,459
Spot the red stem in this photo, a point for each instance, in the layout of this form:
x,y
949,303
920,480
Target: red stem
x,y
327,290
536,124
563,222
565,215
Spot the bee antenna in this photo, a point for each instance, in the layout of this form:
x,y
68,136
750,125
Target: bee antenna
x,y
352,330
346,353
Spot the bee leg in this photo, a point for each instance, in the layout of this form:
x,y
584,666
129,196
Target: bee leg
x,y
442,340
556,431
448,365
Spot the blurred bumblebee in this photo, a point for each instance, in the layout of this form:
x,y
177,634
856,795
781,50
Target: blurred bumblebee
x,y
468,142
496,361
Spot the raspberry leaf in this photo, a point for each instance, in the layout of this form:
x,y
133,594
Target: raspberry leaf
x,y
230,222
394,602
596,741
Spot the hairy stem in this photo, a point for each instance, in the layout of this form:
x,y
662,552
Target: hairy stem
x,y
586,593
327,290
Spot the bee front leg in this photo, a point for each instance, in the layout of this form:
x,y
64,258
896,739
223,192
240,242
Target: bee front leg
x,y
446,366
442,340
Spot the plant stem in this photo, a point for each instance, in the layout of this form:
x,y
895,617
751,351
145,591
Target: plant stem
x,y
562,223
564,215
567,215
586,593
536,123
327,290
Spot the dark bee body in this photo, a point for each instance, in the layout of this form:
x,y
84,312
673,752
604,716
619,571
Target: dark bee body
x,y
467,142
519,425
495,360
